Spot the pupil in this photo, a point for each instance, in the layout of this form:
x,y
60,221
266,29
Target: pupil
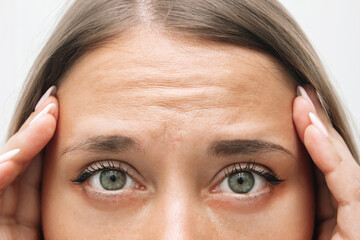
x,y
113,178
241,180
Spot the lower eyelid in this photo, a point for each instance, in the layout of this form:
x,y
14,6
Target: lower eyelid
x,y
232,202
114,196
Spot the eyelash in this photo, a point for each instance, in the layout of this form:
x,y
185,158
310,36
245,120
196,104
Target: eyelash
x,y
102,165
250,166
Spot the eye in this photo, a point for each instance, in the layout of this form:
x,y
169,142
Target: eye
x,y
111,180
243,182
247,178
108,175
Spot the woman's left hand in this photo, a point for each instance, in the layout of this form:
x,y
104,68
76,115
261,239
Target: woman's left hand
x,y
338,196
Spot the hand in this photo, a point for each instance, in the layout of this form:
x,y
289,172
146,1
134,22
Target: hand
x,y
338,176
20,173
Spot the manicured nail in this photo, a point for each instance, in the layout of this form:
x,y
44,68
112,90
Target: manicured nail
x,y
301,92
43,112
318,124
8,155
51,91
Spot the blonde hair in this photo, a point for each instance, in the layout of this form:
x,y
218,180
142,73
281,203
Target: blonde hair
x,y
260,25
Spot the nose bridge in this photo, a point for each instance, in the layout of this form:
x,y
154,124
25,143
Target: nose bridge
x,y
177,215
177,205
177,220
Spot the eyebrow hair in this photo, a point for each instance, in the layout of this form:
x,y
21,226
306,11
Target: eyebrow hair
x,y
103,143
245,146
118,143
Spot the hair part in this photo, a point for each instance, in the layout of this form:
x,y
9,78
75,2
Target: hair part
x,y
259,25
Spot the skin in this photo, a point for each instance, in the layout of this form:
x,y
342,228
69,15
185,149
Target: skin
x,y
176,97
163,93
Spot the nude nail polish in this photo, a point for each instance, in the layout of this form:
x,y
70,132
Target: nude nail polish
x,y
51,91
316,121
43,112
302,92
8,155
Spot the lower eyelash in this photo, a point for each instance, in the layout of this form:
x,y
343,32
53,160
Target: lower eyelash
x,y
253,167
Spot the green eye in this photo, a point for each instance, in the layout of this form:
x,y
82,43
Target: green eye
x,y
241,182
112,180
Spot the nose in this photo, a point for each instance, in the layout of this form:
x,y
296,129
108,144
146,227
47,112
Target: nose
x,y
178,215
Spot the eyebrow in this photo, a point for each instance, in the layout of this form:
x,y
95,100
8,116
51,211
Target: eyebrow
x,y
245,146
103,143
118,143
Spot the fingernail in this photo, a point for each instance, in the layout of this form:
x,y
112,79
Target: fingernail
x,y
301,92
8,155
43,112
51,91
318,124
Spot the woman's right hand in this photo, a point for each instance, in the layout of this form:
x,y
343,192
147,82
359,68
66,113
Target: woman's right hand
x,y
20,172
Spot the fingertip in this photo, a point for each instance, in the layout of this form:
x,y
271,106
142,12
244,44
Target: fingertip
x,y
34,138
50,92
44,127
301,108
54,111
316,122
319,148
53,101
8,155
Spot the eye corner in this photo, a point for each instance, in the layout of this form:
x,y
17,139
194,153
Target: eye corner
x,y
81,178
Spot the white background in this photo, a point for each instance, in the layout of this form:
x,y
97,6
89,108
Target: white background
x,y
333,26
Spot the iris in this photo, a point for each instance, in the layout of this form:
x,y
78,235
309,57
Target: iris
x,y
112,180
241,182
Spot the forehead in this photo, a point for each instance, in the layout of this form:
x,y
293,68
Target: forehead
x,y
152,76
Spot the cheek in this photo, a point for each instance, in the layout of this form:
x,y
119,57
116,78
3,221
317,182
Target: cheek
x,y
67,213
288,213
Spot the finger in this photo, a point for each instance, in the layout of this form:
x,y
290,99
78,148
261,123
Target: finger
x,y
328,152
325,230
29,195
319,110
40,109
309,94
342,176
31,139
7,206
301,107
35,132
325,203
6,169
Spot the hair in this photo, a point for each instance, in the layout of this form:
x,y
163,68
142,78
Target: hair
x,y
259,25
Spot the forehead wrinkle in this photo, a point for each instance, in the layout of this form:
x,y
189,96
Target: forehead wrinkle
x,y
173,89
180,99
173,70
131,81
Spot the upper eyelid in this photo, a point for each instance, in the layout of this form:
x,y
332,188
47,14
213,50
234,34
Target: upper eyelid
x,y
221,175
250,166
218,177
122,166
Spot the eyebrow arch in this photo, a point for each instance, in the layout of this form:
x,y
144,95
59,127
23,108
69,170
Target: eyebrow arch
x,y
245,146
104,143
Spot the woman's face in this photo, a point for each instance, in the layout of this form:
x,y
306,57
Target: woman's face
x,y
172,138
